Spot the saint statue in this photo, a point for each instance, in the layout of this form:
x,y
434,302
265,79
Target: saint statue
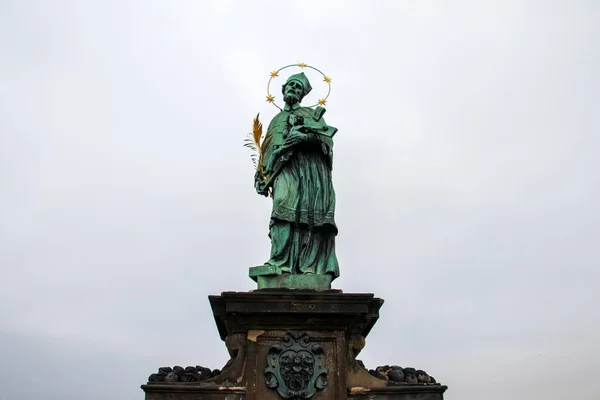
x,y
295,170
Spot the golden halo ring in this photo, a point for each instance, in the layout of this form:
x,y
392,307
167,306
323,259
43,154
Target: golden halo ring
x,y
275,74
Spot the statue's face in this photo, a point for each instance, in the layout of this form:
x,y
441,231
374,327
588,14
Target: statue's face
x,y
292,92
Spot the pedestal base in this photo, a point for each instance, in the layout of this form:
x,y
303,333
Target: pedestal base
x,y
271,277
296,345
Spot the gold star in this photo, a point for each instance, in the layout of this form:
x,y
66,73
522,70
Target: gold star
x,y
270,98
274,74
302,65
327,79
322,102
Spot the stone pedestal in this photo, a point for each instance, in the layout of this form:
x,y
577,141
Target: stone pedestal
x,y
293,345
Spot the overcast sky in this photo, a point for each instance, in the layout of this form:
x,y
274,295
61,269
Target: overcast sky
x,y
466,173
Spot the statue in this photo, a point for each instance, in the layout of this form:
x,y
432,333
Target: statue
x,y
294,168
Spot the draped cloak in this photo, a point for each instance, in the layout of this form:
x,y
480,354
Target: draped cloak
x,y
302,227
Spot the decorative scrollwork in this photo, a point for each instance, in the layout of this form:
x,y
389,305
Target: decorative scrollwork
x,y
296,367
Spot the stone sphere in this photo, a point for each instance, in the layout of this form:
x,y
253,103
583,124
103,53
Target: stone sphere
x,y
171,377
396,375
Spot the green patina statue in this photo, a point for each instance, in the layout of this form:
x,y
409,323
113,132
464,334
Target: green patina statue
x,y
295,169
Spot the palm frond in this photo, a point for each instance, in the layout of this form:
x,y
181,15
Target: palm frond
x,y
253,142
257,129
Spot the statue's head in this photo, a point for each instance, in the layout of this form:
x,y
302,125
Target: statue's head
x,y
295,88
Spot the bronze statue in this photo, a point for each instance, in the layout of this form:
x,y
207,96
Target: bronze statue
x,y
295,169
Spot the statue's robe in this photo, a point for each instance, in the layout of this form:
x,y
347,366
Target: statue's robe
x,y
302,227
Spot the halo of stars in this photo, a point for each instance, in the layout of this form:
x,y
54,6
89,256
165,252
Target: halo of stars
x,y
274,74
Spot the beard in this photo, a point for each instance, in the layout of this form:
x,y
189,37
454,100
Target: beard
x,y
291,98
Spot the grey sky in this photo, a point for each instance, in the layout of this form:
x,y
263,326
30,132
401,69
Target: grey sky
x,y
465,169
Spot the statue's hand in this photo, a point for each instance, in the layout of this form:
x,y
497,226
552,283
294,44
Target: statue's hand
x,y
259,185
295,137
263,192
